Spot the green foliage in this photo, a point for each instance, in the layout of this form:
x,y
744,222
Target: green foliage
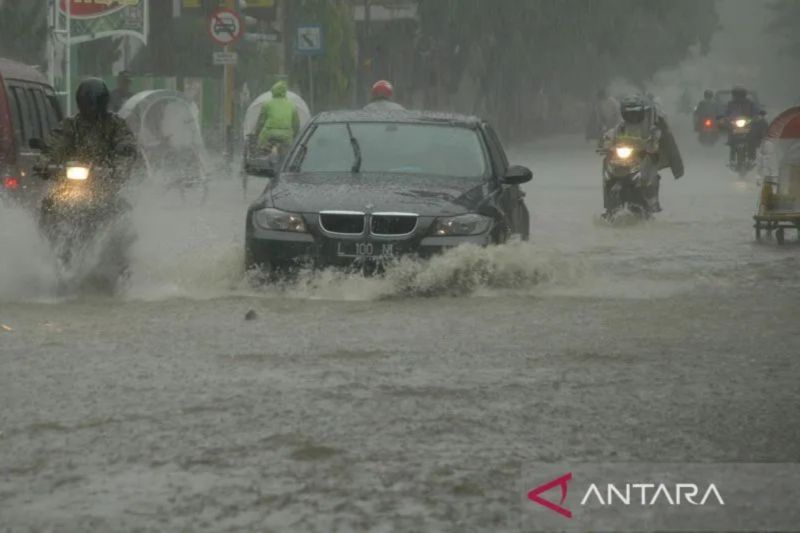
x,y
98,57
334,72
176,47
513,46
23,30
785,22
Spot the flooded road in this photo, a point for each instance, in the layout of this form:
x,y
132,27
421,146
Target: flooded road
x,y
404,403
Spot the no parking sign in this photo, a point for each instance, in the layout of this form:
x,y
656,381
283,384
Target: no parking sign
x,y
225,27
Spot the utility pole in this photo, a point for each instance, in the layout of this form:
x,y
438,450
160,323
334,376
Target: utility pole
x,y
229,96
367,54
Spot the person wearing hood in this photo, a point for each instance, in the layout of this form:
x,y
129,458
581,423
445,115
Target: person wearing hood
x,y
279,122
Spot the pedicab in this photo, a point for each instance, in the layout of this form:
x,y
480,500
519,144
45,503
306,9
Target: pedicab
x,y
167,128
256,162
779,200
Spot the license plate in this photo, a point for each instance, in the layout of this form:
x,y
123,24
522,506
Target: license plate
x,y
376,250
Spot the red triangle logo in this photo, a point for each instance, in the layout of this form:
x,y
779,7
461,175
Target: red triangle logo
x,y
562,481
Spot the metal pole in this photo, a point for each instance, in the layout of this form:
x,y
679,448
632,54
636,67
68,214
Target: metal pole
x,y
311,83
68,76
228,118
229,87
51,43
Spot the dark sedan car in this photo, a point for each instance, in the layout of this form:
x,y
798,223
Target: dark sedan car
x,y
362,188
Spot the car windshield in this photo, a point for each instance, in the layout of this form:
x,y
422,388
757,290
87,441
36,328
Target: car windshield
x,y
434,150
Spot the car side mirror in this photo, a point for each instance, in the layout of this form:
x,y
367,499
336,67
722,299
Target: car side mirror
x,y
517,175
37,144
268,172
259,168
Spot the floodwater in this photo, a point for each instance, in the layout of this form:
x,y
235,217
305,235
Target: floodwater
x,y
410,402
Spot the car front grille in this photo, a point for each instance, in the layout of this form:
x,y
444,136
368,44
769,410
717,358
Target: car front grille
x,y
393,223
346,223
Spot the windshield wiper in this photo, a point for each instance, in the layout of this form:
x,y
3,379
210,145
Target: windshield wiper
x,y
356,168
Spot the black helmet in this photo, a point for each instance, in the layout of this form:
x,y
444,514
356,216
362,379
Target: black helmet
x,y
92,98
708,94
739,93
634,109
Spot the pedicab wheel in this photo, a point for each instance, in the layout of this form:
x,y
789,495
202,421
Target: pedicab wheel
x,y
779,235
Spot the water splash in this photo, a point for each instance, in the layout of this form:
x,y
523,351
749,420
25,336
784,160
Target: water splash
x,y
27,268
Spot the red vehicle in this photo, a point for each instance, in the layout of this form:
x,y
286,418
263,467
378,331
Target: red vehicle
x,y
28,110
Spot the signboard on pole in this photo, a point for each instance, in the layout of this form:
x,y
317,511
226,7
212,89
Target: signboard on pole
x,y
309,40
271,37
225,27
225,58
95,19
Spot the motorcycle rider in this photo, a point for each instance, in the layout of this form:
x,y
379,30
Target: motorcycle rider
x,y
707,108
741,106
644,128
279,122
381,98
94,135
102,140
604,116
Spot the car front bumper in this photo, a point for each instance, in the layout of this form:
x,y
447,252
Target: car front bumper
x,y
282,249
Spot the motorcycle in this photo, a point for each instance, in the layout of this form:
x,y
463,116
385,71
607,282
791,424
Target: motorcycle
x,y
707,132
623,186
741,160
85,221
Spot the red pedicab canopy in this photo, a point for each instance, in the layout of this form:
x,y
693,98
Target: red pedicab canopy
x,y
781,152
786,125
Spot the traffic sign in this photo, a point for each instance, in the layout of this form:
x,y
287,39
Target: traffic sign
x,y
225,26
225,58
271,37
309,40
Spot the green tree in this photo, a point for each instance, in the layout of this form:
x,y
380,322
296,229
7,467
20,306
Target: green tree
x,y
23,30
785,22
335,71
511,48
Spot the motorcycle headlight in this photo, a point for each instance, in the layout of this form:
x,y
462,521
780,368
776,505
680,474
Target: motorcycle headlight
x,y
277,220
740,122
624,152
77,173
461,225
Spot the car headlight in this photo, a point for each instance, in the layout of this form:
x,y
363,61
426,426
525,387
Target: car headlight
x,y
277,220
78,173
741,122
470,224
624,152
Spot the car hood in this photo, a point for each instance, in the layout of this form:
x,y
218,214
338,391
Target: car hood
x,y
312,193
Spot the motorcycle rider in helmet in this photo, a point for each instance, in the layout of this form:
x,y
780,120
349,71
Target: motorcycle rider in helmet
x,y
707,108
741,106
643,126
93,136
381,98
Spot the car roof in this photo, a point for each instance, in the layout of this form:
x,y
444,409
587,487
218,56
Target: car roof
x,y
14,70
398,116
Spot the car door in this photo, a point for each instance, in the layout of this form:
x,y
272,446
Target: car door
x,y
510,196
35,115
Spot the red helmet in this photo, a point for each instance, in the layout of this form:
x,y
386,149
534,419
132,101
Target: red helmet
x,y
382,89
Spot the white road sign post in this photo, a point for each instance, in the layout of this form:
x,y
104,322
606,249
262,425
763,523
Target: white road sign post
x,y
309,43
226,27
